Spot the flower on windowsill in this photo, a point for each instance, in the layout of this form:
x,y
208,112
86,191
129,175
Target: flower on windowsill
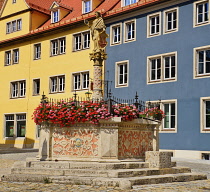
x,y
154,113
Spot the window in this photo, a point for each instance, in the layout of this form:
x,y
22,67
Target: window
x,y
171,20
129,2
170,115
18,89
13,26
121,74
55,16
81,80
202,62
12,57
58,46
19,24
162,68
15,56
57,84
201,11
36,86
8,57
87,6
205,114
81,41
154,21
169,123
13,1
15,125
116,34
37,51
130,32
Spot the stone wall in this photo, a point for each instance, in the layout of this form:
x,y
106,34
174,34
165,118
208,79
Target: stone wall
x,y
109,140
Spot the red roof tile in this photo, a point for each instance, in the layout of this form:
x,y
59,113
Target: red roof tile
x,y
108,8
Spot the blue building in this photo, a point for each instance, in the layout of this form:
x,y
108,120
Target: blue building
x,y
161,50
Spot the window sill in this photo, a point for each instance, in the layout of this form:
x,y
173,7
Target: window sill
x,y
130,40
121,86
80,49
202,76
205,131
57,92
168,131
79,90
161,81
201,24
117,43
17,97
58,54
14,138
153,35
170,31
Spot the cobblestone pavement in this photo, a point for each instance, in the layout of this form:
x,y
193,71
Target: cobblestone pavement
x,y
6,161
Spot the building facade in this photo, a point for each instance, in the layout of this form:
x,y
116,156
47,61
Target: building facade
x,y
44,48
161,51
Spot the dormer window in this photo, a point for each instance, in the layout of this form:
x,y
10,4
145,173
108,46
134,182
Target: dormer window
x,y
87,6
129,2
55,16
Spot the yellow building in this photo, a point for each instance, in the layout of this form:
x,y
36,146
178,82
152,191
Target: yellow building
x,y
44,47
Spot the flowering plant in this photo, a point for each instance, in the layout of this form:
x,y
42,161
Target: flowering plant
x,y
66,113
154,113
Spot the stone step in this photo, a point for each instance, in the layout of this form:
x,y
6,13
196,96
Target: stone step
x,y
119,173
87,165
124,183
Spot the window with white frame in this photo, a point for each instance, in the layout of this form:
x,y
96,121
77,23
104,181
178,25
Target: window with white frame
x,y
57,84
36,86
37,51
15,125
128,2
169,122
55,16
154,22
201,12
121,74
205,114
11,57
81,80
87,6
162,68
116,34
130,31
15,56
18,89
58,46
13,26
171,20
81,41
202,62
8,57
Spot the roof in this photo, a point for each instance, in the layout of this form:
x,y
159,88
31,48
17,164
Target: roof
x,y
108,8
1,3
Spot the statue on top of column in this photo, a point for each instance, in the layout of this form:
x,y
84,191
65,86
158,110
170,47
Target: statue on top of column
x,y
98,33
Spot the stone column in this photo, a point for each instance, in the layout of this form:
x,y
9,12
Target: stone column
x,y
45,143
98,58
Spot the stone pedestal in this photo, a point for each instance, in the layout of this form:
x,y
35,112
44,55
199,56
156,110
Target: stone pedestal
x,y
157,159
110,140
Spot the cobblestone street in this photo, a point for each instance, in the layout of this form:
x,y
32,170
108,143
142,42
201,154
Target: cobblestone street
x,y
6,161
